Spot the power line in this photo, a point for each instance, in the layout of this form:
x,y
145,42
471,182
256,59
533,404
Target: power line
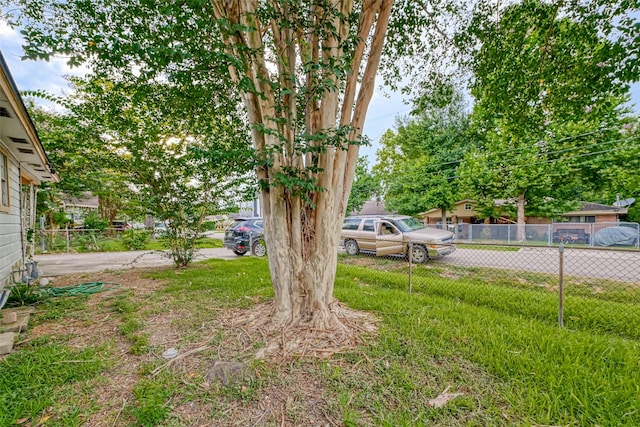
x,y
549,161
439,165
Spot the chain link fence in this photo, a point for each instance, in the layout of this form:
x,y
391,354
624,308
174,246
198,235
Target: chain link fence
x,y
582,234
581,288
84,240
574,285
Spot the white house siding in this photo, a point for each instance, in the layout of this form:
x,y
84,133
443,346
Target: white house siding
x,y
10,236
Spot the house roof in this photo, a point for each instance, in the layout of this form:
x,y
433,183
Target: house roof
x,y
596,209
587,208
373,207
87,201
18,135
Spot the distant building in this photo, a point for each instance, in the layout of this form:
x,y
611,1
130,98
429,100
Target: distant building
x,y
463,212
77,208
249,208
372,207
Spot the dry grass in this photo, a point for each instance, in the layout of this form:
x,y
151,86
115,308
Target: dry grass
x,y
289,392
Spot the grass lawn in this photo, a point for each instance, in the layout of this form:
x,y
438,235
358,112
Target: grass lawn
x,y
96,360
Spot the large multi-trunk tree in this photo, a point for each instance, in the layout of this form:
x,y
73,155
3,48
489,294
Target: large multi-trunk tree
x,y
303,70
306,73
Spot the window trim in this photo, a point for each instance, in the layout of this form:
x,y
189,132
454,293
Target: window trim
x,y
3,207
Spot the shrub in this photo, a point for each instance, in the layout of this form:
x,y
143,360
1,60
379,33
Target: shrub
x,y
135,240
209,226
25,294
86,242
93,221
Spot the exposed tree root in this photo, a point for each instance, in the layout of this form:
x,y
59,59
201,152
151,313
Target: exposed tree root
x,y
303,339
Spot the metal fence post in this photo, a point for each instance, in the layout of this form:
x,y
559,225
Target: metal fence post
x,y
68,240
561,286
549,234
410,266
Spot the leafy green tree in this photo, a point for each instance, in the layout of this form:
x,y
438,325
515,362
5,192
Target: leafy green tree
x,y
139,149
614,173
179,160
365,186
77,153
418,164
548,86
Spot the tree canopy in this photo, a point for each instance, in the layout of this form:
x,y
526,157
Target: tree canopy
x,y
548,88
366,186
418,164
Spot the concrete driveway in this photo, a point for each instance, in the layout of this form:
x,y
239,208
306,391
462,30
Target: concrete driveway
x,y
60,264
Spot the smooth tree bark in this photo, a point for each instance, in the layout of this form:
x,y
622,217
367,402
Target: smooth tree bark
x,y
521,227
306,73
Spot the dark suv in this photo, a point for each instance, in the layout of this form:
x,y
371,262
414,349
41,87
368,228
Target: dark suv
x,y
246,235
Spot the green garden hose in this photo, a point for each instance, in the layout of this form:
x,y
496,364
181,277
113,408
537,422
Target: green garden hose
x,y
79,289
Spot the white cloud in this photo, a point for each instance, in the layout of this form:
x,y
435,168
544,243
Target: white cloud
x,y
48,76
6,32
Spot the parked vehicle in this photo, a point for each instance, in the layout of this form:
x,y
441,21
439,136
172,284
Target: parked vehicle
x,y
391,235
571,235
120,225
137,225
245,235
616,236
159,229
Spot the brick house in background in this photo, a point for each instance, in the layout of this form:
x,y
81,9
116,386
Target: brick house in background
x,y
463,212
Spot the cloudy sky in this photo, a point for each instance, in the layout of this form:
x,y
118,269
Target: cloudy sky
x,y
49,76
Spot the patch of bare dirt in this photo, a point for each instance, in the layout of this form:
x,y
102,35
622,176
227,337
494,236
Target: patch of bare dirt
x,y
286,388
302,340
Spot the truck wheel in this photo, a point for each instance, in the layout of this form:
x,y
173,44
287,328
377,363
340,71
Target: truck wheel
x,y
351,246
419,254
239,253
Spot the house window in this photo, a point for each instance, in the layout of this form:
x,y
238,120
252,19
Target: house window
x,y
4,182
468,207
582,219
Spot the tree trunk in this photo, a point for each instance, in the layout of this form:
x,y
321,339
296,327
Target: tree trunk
x,y
443,214
303,220
302,263
521,225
